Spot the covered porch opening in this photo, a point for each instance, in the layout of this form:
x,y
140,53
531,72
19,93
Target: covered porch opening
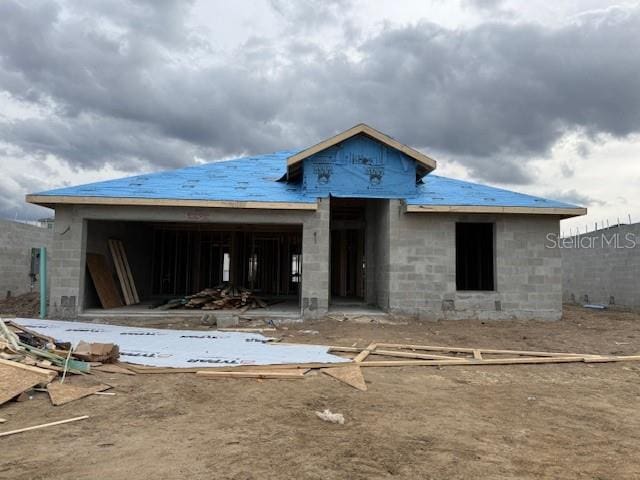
x,y
171,261
354,258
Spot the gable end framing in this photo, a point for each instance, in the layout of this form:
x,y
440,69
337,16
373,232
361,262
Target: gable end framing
x,y
425,164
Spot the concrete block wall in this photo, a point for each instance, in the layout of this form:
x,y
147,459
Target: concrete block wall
x,y
67,268
316,238
603,267
16,241
422,279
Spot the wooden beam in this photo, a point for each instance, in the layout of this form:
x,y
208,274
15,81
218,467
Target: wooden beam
x,y
47,200
289,375
483,350
422,356
469,361
365,353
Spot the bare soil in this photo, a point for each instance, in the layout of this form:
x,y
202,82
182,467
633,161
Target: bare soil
x,y
563,421
26,305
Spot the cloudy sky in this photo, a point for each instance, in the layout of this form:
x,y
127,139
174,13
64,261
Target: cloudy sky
x,y
535,96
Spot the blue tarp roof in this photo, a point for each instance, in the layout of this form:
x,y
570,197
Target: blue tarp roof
x,y
254,179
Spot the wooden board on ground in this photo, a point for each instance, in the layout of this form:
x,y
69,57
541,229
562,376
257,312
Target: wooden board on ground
x,y
61,393
290,374
114,368
16,378
103,281
351,375
44,425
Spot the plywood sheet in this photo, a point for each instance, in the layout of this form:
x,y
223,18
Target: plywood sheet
x,y
350,374
103,281
14,381
61,393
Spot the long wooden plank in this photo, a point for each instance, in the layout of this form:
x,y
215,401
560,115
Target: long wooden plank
x,y
462,361
482,350
103,281
127,271
117,261
291,374
44,425
422,356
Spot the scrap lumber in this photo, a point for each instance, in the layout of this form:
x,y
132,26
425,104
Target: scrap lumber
x,y
282,374
365,353
103,281
114,368
481,350
17,378
466,361
123,271
224,297
127,271
422,356
61,393
96,352
351,375
44,425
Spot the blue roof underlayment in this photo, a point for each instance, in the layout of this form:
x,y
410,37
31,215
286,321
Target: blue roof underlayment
x,y
254,179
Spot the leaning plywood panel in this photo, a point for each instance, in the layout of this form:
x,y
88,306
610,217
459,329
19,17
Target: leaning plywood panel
x,y
103,281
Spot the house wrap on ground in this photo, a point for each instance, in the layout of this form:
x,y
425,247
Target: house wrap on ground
x,y
358,218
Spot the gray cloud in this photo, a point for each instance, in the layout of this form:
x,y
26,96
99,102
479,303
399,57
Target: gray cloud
x,y
125,85
574,197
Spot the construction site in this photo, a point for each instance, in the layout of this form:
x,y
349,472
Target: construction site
x,y
334,312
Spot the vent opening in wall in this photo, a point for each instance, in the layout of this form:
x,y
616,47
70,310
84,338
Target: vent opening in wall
x,y
474,256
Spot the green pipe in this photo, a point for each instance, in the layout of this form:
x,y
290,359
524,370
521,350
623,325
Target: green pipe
x,y
43,282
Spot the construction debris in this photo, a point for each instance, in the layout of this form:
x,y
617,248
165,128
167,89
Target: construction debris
x,y
61,393
196,349
29,359
351,375
96,352
222,297
17,378
327,416
279,374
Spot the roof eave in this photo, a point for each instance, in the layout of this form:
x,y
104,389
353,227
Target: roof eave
x,y
51,201
563,212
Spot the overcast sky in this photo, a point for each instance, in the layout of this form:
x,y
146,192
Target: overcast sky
x,y
535,96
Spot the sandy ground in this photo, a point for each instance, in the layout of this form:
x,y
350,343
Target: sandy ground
x,y
571,421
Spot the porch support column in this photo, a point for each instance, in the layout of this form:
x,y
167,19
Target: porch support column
x,y
316,236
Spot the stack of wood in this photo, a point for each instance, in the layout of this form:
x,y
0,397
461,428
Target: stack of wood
x,y
224,297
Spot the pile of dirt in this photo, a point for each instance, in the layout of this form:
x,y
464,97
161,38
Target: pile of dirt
x,y
27,305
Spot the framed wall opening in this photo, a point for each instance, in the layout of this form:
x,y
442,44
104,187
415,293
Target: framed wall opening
x,y
475,256
348,258
173,260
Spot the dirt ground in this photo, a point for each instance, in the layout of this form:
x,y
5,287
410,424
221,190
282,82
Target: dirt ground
x,y
27,305
563,421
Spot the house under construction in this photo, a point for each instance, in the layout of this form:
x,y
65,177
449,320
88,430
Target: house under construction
x,y
358,219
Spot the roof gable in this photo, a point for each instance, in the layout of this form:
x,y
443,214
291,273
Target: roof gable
x,y
359,167
425,164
